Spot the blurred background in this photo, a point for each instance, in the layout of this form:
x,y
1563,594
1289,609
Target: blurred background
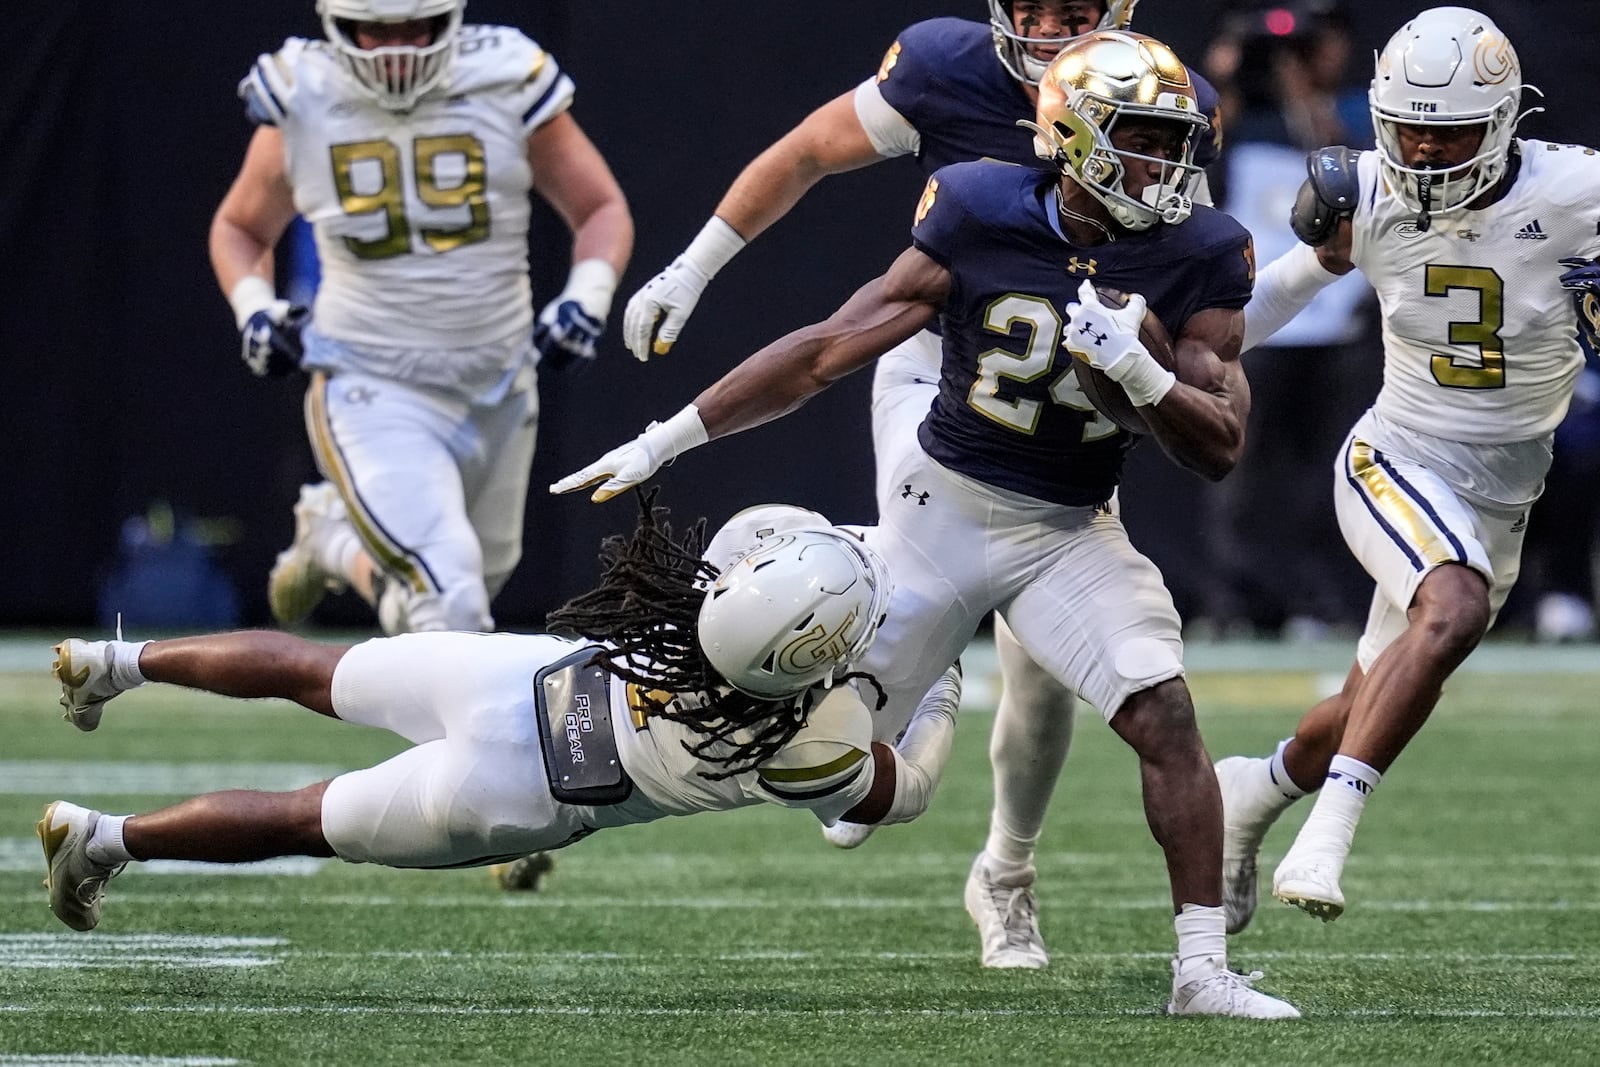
x,y
147,471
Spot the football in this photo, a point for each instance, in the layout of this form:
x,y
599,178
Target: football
x,y
1106,395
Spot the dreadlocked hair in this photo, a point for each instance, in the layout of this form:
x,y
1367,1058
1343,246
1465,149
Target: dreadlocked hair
x,y
646,610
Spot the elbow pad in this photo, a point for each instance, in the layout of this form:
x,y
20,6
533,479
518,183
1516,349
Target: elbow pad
x,y
1328,194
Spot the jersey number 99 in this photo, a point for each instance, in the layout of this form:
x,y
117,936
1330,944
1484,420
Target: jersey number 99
x,y
389,198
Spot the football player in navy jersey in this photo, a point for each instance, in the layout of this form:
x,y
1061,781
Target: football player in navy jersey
x,y
1014,469
949,90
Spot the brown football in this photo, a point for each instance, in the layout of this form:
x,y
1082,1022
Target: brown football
x,y
1106,395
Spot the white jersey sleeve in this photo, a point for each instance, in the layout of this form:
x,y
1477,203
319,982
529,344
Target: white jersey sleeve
x,y
420,218
1480,340
890,132
826,766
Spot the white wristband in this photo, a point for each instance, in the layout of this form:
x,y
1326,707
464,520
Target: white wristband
x,y
713,246
671,439
1144,380
250,294
592,283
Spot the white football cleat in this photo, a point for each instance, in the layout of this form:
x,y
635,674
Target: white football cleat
x,y
1244,827
1310,881
76,883
1007,917
1219,991
298,582
84,670
847,834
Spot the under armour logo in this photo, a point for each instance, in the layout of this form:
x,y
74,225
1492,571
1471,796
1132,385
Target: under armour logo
x,y
1074,265
1088,330
360,394
908,493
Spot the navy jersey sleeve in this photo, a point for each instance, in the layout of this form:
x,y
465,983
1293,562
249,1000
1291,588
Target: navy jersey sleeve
x,y
1228,273
1205,97
939,221
910,77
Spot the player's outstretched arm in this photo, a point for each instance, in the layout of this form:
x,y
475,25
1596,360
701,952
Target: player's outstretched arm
x,y
782,376
1292,281
1201,420
905,776
831,140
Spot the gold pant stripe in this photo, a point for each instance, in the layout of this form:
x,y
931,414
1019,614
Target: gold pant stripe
x,y
1395,507
391,556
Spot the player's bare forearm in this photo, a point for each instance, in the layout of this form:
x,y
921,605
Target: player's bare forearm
x,y
791,370
830,140
1201,421
253,215
606,234
572,176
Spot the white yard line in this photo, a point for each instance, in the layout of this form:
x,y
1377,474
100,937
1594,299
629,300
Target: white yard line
x,y
610,1011
75,778
23,854
542,901
85,1059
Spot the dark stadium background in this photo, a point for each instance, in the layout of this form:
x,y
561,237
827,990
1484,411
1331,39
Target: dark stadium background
x,y
119,378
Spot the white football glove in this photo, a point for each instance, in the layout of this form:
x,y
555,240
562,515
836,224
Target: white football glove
x,y
673,293
631,464
1107,339
670,297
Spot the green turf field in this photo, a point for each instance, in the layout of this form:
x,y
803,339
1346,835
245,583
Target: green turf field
x,y
1472,936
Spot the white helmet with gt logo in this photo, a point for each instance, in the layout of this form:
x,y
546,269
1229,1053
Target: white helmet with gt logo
x,y
1449,66
799,610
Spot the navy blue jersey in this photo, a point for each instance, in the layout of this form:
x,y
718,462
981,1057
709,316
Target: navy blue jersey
x,y
1009,411
944,78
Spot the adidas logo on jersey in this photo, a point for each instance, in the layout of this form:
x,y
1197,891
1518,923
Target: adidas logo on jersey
x,y
1532,232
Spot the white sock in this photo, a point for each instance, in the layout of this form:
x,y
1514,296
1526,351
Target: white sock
x,y
105,841
124,659
1031,738
1339,806
1280,774
337,550
1202,937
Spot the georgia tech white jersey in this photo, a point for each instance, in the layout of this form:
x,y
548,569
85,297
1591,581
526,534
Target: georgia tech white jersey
x,y
420,217
827,767
1480,341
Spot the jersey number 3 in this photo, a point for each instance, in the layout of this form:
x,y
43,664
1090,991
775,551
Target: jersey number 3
x,y
1489,372
449,172
1043,325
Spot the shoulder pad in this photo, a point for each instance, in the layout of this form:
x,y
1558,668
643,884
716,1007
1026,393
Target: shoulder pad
x,y
1331,191
269,89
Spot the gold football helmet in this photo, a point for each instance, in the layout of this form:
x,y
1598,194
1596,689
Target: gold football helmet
x,y
1012,47
1109,77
